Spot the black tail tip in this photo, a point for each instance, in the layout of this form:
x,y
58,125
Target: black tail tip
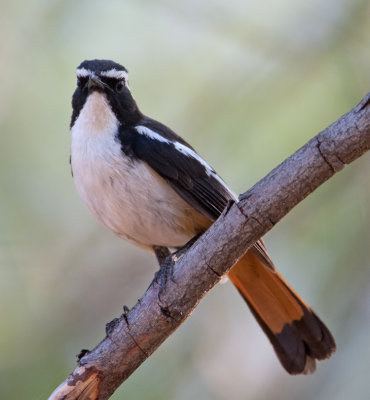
x,y
302,342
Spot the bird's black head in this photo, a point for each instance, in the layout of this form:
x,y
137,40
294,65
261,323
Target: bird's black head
x,y
111,79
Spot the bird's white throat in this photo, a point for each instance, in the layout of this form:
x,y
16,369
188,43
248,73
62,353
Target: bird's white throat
x,y
96,117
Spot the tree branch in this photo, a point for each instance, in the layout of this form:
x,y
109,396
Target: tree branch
x,y
133,337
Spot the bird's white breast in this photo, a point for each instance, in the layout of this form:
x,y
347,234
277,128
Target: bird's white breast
x,y
126,196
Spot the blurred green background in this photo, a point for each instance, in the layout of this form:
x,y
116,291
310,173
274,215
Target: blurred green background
x,y
247,83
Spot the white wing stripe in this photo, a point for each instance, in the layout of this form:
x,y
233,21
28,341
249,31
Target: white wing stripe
x,y
143,130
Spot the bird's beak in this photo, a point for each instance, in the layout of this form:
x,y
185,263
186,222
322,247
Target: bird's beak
x,y
95,83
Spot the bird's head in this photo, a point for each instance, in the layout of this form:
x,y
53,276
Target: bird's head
x,y
109,80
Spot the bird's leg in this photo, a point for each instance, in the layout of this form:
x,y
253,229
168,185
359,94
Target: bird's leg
x,y
166,264
167,261
161,253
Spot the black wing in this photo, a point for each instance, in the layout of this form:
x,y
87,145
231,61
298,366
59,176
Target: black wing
x,y
175,161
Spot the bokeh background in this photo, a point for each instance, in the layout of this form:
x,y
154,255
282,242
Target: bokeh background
x,y
247,82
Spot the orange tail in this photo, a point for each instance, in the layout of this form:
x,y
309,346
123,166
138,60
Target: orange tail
x,y
296,333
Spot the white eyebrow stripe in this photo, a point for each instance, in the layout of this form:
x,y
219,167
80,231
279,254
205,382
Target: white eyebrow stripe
x,y
114,73
143,130
83,72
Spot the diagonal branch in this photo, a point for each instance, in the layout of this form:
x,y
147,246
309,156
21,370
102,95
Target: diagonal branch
x,y
136,334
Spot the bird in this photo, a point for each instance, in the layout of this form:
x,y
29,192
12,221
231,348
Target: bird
x,y
150,187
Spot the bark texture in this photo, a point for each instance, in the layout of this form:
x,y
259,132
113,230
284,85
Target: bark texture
x,y
133,337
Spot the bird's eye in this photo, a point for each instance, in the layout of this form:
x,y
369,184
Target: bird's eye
x,y
120,85
81,83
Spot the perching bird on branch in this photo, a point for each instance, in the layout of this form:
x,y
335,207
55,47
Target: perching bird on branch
x,y
150,187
